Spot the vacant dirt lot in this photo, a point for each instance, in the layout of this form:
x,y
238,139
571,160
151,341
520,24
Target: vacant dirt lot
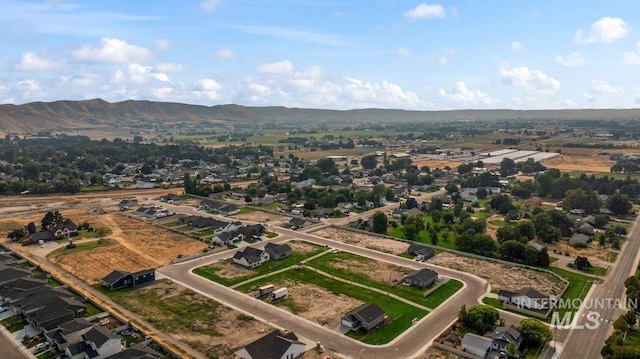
x,y
433,353
376,270
501,276
433,164
318,304
567,163
212,329
260,216
363,240
134,245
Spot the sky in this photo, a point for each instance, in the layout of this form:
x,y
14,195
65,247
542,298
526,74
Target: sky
x,y
333,54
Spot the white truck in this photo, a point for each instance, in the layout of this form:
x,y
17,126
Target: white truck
x,y
265,289
279,294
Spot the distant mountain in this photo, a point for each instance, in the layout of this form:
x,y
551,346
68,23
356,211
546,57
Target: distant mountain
x,y
98,113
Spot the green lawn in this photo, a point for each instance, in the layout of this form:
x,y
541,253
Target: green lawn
x,y
52,282
12,324
170,224
211,271
247,210
98,187
204,233
271,234
492,302
327,262
400,314
92,309
79,247
579,286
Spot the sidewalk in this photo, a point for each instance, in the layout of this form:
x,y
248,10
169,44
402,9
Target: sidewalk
x,y
17,344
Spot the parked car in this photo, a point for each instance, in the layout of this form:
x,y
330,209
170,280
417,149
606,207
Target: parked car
x,y
42,346
126,332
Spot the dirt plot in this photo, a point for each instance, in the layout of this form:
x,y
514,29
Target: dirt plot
x,y
301,247
501,276
135,245
568,163
217,331
260,216
433,353
317,304
363,240
433,164
230,270
380,271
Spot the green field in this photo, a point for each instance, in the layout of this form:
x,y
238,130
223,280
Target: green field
x,y
79,248
579,285
492,302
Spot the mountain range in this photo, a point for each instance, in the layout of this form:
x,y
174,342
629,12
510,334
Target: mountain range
x,y
97,113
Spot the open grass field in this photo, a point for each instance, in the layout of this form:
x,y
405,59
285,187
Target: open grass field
x,y
584,163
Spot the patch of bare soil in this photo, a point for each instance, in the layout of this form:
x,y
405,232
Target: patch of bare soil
x,y
301,247
230,270
605,254
568,163
260,216
501,276
377,270
232,329
363,240
317,304
433,164
433,353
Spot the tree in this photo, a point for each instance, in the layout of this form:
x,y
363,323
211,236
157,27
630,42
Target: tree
x,y
543,257
581,199
619,204
480,318
507,167
410,232
52,219
534,333
380,222
482,193
369,162
31,228
508,233
451,188
527,229
411,203
582,263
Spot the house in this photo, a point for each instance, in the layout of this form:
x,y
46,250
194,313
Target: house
x,y
366,316
579,238
127,204
476,344
46,312
78,338
250,257
44,236
297,223
413,212
421,279
11,274
65,230
137,351
503,336
170,198
527,298
253,230
229,238
121,279
278,251
275,345
587,229
18,287
416,249
228,210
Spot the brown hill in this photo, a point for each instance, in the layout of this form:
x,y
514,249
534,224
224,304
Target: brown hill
x,y
98,113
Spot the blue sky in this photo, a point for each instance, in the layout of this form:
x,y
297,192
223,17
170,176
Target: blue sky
x,y
325,53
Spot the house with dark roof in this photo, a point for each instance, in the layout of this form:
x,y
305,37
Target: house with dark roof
x,y
297,223
21,285
421,279
11,274
45,313
229,238
278,251
137,351
527,298
127,204
44,236
275,345
101,341
579,239
366,316
250,257
416,249
503,336
121,279
68,332
253,230
79,338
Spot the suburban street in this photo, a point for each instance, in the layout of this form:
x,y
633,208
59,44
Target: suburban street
x,y
587,343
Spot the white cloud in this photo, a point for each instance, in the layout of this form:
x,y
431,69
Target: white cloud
x,y
32,62
163,44
169,67
465,96
531,80
277,68
208,89
442,60
573,60
602,87
606,30
632,57
403,51
137,74
516,46
209,5
162,93
425,11
223,54
112,51
85,79
568,103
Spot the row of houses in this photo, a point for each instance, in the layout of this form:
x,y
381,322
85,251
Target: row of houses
x,y
59,316
229,233
492,341
250,257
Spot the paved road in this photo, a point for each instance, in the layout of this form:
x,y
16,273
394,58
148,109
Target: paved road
x,y
407,345
587,343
